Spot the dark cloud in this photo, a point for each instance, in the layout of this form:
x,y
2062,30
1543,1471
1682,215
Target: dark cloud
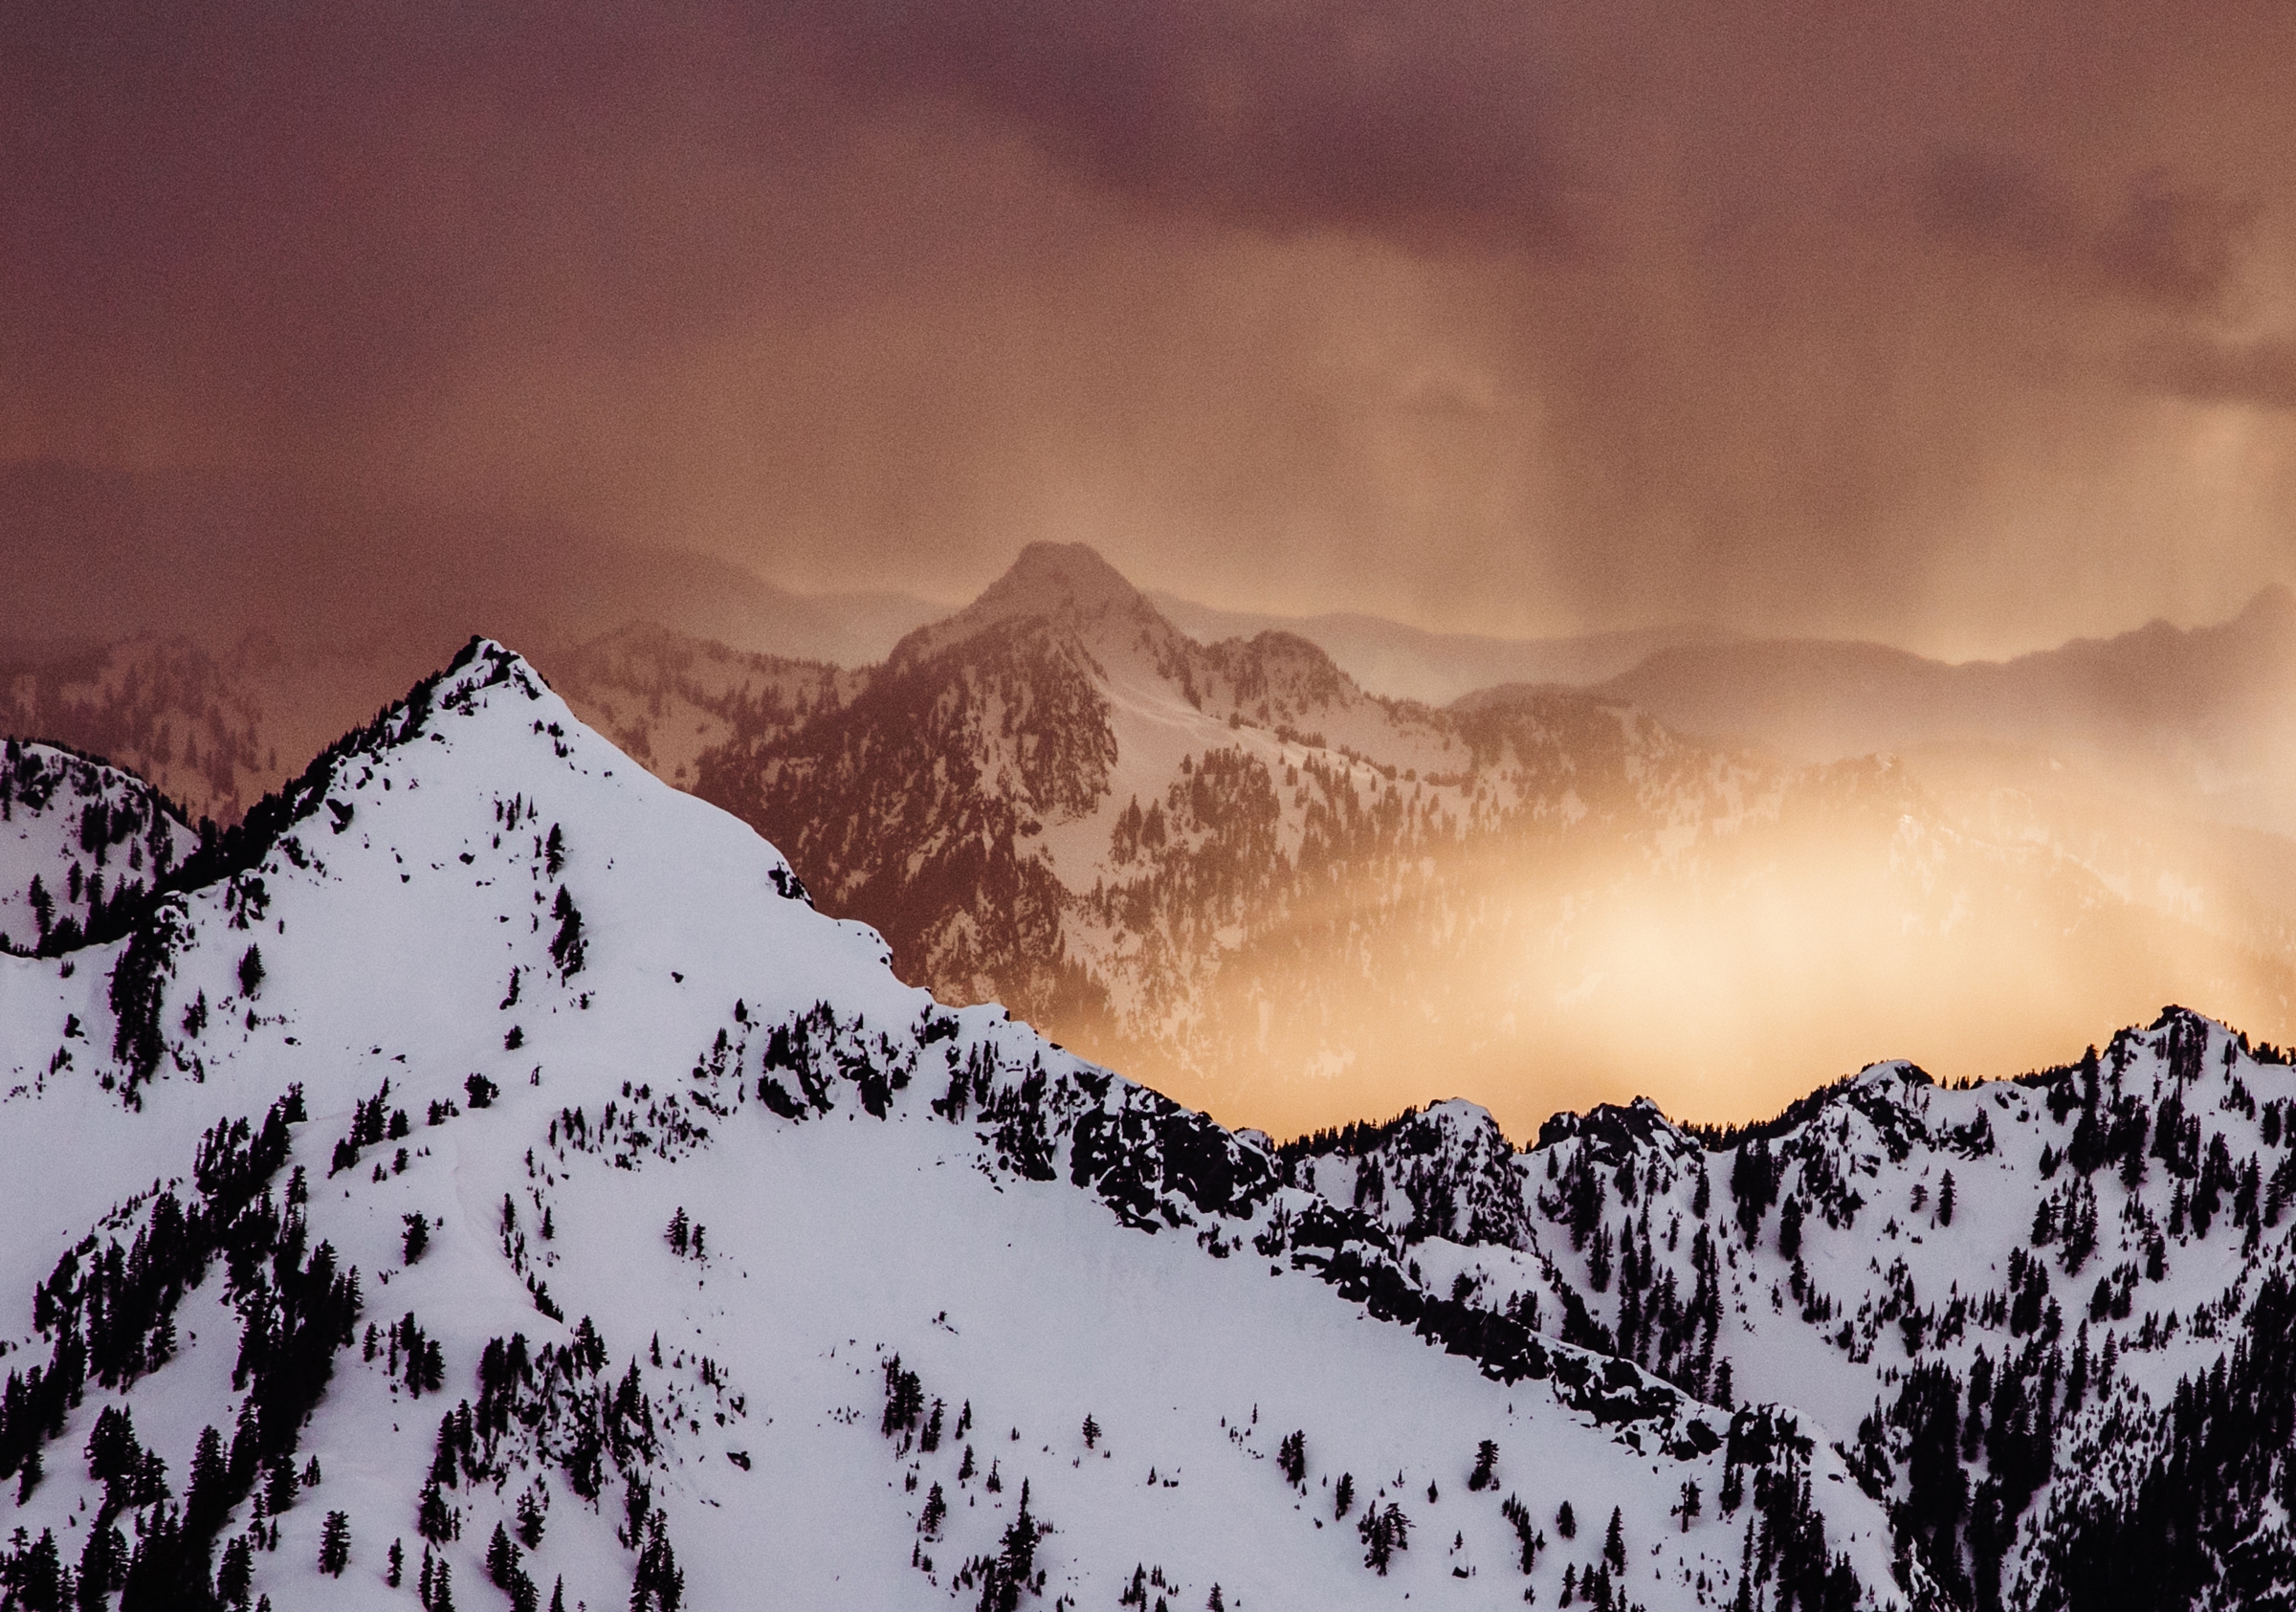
x,y
1504,316
1425,117
2252,372
2180,246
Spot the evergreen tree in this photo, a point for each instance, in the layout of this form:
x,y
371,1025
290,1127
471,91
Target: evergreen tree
x,y
1091,1428
335,1544
234,1579
33,1576
1487,1460
1566,1521
1518,1516
1343,1497
659,1586
1614,1542
1384,1531
279,1487
251,971
502,1557
431,1517
530,1521
208,1498
102,1566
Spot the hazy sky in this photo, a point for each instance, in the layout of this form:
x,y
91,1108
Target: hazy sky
x,y
1968,327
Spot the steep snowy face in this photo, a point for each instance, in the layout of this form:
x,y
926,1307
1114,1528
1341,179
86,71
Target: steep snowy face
x,y
2050,1319
484,1174
78,840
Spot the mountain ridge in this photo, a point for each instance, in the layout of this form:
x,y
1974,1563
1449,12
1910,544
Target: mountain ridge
x,y
1230,868
1229,865
678,1016
1612,1296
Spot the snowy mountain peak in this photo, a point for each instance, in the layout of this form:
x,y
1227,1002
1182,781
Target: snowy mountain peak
x,y
1051,578
1892,1072
1066,584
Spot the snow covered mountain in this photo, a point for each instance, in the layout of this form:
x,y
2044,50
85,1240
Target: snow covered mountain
x,y
215,729
1229,870
2050,1319
366,1249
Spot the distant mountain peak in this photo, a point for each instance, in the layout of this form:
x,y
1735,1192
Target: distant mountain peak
x,y
2274,606
1057,578
1065,582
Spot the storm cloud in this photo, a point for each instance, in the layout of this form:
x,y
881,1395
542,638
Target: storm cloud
x,y
1961,328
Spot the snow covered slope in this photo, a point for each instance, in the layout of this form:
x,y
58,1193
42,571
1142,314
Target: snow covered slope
x,y
76,837
481,1178
2050,1318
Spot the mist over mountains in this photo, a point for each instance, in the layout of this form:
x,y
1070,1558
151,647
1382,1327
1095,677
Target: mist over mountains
x,y
387,588
1231,870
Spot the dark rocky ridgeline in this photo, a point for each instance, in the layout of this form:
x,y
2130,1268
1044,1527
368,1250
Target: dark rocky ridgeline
x,y
1316,867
